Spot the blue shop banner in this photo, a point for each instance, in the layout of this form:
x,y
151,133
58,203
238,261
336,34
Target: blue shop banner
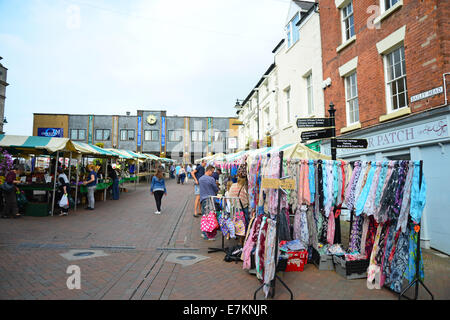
x,y
163,132
51,132
139,130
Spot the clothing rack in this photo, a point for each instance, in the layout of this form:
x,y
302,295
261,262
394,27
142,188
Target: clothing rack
x,y
272,283
222,248
417,280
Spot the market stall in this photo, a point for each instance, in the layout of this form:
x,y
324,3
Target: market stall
x,y
40,186
295,198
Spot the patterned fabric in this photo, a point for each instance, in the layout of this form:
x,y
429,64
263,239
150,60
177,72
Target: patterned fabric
x,y
269,262
418,194
370,238
260,249
388,197
239,223
365,191
356,233
410,272
404,210
312,228
249,243
399,263
331,229
350,193
370,202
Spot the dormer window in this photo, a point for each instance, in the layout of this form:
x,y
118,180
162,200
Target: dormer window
x,y
292,32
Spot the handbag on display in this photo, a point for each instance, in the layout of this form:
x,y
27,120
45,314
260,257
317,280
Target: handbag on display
x,y
209,222
239,223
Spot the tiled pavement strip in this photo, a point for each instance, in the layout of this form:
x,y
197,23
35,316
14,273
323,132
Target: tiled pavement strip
x,y
137,243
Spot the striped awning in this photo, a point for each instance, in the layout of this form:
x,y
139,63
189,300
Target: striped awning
x,y
91,149
120,153
35,144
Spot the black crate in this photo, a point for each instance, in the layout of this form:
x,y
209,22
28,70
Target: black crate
x,y
351,269
323,262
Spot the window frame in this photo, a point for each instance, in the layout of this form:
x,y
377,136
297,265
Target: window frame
x,y
389,82
349,99
345,19
103,134
196,135
292,31
180,136
127,135
151,135
78,134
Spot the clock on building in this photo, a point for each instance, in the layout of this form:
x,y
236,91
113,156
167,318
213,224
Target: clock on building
x,y
151,119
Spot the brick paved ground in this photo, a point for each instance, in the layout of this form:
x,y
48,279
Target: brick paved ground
x,y
137,243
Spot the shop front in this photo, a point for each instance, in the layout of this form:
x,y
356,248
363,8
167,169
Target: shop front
x,y
426,137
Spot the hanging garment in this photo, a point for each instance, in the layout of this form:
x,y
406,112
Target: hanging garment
x,y
370,202
312,228
260,249
395,208
388,197
270,252
331,229
250,242
356,234
370,237
311,178
284,232
361,201
382,189
330,187
399,263
365,228
418,194
410,272
406,202
350,192
373,272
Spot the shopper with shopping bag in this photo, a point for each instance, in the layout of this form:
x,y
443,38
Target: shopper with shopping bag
x,y
63,192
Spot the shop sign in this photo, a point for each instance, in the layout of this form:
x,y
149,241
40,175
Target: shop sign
x,y
430,131
427,94
51,132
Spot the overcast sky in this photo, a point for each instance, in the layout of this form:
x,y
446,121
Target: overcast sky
x,y
189,57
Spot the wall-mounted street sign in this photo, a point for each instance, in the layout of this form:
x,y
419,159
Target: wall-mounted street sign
x,y
351,143
427,94
317,134
313,122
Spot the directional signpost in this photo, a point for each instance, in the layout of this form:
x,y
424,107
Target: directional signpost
x,y
317,134
313,122
351,143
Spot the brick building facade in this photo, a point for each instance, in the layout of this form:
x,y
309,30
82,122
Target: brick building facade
x,y
386,63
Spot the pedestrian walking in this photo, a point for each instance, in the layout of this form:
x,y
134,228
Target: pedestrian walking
x,y
91,184
9,190
177,172
182,175
188,172
158,189
208,188
172,171
63,189
115,180
198,172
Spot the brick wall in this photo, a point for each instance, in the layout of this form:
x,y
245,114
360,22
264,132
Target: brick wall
x,y
426,54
